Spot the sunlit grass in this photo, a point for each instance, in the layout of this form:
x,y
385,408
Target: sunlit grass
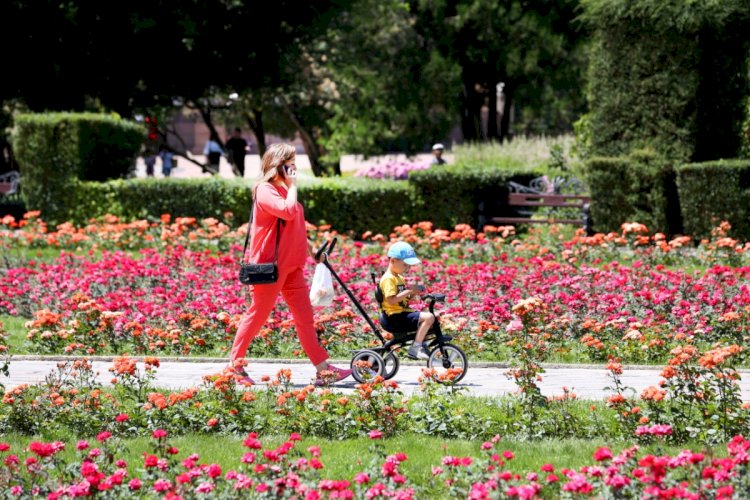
x,y
13,326
532,152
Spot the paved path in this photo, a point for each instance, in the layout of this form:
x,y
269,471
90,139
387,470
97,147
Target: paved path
x,y
349,163
481,379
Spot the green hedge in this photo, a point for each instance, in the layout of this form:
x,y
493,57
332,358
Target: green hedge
x,y
447,197
451,195
636,188
713,192
55,150
358,204
150,198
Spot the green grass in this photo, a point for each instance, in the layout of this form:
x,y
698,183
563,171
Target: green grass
x,y
20,256
16,332
343,459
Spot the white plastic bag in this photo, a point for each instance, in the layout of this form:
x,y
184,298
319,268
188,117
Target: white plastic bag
x,y
321,291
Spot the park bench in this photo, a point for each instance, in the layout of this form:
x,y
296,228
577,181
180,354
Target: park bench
x,y
9,183
559,194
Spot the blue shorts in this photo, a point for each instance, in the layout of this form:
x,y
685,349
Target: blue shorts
x,y
405,322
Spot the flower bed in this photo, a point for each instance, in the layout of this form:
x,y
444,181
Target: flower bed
x,y
612,298
39,470
637,310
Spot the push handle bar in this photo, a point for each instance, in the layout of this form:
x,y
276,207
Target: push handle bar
x,y
326,249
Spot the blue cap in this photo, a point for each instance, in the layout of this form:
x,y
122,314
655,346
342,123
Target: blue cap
x,y
403,251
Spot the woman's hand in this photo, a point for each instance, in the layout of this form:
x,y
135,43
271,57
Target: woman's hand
x,y
291,174
311,252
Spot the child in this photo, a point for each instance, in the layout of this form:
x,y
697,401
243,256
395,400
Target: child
x,y
167,160
397,317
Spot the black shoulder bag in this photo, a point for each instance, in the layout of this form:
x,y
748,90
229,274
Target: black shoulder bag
x,y
261,273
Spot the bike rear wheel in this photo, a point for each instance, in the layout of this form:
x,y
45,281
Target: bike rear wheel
x,y
366,365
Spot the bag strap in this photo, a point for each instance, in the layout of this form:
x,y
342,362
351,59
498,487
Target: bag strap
x,y
247,236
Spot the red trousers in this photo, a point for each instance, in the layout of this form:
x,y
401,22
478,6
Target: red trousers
x,y
293,287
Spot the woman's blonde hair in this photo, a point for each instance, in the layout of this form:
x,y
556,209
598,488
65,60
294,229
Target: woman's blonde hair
x,y
275,156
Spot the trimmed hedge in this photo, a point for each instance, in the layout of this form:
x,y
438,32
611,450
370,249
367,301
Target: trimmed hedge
x,y
55,150
358,204
636,188
671,76
451,195
150,198
348,204
713,192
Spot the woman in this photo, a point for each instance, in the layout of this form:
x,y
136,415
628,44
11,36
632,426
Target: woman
x,y
274,198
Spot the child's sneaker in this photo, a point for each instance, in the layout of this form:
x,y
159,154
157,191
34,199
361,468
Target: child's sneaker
x,y
331,376
418,352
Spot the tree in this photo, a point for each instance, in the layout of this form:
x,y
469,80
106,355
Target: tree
x,y
533,48
369,84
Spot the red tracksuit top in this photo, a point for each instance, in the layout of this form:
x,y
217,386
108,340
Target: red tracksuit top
x,y
271,205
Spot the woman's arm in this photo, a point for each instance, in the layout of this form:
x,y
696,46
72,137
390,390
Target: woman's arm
x,y
284,208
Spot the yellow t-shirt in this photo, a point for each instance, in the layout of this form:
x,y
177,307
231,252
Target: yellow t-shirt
x,y
393,284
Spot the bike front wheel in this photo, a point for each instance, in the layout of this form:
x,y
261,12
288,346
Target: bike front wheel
x,y
449,362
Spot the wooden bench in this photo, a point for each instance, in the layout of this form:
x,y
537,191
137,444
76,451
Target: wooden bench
x,y
540,193
9,183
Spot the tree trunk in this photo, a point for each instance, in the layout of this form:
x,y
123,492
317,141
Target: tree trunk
x,y
312,148
471,117
206,115
492,126
255,122
505,123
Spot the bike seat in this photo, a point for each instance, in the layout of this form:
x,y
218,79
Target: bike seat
x,y
437,297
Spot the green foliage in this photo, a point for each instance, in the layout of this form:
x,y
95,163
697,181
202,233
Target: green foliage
x,y
669,76
446,196
635,188
393,90
745,148
451,195
713,192
358,204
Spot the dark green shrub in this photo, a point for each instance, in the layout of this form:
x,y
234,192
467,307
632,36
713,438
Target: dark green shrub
x,y
55,150
713,192
451,195
667,75
107,146
635,188
47,154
